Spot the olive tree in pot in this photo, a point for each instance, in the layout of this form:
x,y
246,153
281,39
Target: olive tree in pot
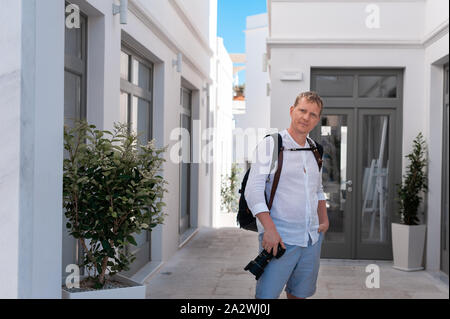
x,y
111,190
408,236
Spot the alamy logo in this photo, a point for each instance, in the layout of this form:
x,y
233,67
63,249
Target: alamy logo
x,y
73,279
373,19
373,280
73,16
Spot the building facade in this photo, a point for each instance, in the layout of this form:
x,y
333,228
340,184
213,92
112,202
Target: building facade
x,y
154,71
382,70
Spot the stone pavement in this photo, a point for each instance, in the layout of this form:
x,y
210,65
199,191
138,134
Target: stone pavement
x,y
211,266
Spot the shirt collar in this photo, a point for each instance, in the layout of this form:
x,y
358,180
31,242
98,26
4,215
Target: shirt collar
x,y
295,143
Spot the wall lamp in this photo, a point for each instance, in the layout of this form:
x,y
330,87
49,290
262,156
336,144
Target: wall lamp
x,y
121,9
178,62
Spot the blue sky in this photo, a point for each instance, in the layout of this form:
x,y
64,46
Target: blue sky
x,y
231,23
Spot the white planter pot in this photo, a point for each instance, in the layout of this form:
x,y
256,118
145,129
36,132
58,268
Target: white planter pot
x,y
408,242
136,291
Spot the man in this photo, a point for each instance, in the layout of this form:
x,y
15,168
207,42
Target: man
x,y
298,217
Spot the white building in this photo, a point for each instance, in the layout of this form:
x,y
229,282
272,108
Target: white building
x,y
257,96
104,72
252,115
380,67
223,142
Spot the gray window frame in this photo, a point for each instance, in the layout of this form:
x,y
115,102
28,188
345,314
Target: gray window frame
x,y
185,225
126,86
78,66
355,100
133,90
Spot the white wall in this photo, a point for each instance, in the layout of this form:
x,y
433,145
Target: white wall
x,y
436,14
31,164
318,20
257,102
223,137
436,54
198,11
10,99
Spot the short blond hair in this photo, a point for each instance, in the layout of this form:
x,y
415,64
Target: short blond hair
x,y
311,97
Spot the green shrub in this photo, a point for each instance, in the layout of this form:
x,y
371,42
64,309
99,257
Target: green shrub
x,y
415,181
111,190
228,191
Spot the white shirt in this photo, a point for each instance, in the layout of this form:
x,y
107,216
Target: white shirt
x,y
294,208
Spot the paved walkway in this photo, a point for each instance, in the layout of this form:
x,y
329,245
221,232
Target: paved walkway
x,y
210,266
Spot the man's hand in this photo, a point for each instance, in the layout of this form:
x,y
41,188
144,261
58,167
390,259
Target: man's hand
x,y
323,228
270,241
271,238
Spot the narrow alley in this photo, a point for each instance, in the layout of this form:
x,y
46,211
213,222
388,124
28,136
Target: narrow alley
x,y
211,266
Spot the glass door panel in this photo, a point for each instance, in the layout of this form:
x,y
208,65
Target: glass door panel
x,y
375,187
376,190
334,134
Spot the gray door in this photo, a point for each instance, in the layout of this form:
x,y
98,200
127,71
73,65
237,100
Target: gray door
x,y
136,85
445,189
185,165
360,130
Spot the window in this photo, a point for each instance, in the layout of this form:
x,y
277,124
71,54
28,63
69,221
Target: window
x,y
75,80
377,86
363,84
75,63
136,94
136,85
334,85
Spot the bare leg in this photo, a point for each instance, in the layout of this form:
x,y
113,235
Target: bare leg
x,y
289,296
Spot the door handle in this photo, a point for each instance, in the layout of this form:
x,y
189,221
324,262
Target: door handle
x,y
349,183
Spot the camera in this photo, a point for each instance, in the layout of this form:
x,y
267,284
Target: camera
x,y
256,267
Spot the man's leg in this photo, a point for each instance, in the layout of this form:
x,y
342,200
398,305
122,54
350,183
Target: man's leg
x,y
304,277
276,273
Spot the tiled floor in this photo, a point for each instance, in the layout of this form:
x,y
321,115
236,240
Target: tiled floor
x,y
211,266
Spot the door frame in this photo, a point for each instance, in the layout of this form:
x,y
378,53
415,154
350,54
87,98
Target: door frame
x,y
369,105
189,113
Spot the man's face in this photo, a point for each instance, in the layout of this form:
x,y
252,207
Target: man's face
x,y
305,116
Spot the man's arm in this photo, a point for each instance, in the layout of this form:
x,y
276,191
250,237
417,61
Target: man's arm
x,y
322,208
323,216
254,194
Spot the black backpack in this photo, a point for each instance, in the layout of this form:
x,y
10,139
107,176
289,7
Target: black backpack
x,y
245,218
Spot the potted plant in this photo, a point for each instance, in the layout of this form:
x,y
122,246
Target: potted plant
x,y
408,236
111,190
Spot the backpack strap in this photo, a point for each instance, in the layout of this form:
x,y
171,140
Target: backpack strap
x,y
276,177
317,150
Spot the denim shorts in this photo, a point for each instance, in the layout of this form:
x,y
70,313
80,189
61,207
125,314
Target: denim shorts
x,y
297,269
